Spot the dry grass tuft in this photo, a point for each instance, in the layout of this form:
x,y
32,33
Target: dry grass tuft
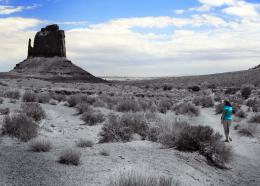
x,y
83,143
40,145
70,157
132,178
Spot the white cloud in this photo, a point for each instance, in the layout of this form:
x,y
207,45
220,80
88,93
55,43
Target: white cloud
x,y
179,11
112,48
14,37
5,10
242,9
203,8
217,3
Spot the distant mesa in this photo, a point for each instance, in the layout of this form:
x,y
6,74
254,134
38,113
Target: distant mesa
x,y
47,59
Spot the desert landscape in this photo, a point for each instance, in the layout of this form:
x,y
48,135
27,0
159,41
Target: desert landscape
x,y
63,126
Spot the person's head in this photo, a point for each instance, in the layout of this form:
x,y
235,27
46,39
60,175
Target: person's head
x,y
227,103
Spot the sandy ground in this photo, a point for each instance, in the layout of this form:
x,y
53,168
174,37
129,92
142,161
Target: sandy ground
x,y
63,127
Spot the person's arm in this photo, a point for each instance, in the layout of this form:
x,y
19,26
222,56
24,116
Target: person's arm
x,y
223,114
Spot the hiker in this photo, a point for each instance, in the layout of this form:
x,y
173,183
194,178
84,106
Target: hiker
x,y
226,119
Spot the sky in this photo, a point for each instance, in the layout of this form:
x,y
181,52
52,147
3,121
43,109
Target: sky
x,y
141,38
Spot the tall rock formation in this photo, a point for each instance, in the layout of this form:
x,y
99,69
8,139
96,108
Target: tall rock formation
x,y
49,42
47,59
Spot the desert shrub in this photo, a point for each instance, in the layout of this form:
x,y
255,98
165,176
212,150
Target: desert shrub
x,y
139,179
241,114
3,84
169,132
12,94
217,98
113,131
122,128
203,139
83,143
248,130
70,157
29,96
197,101
1,100
99,103
40,145
136,122
217,153
219,108
187,108
153,134
43,98
4,111
83,107
254,104
194,88
128,105
33,110
53,102
58,97
109,101
92,118
211,86
73,100
245,132
164,105
151,116
88,99
255,119
191,137
246,91
167,87
144,104
20,126
231,90
204,101
104,152
12,101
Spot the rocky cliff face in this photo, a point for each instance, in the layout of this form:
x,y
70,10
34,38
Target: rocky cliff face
x,y
47,59
49,42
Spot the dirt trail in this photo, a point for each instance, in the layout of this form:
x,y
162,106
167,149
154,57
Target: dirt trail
x,y
245,165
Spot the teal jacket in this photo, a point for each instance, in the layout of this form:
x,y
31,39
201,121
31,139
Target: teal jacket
x,y
228,113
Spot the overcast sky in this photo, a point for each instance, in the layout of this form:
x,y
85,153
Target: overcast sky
x,y
139,37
